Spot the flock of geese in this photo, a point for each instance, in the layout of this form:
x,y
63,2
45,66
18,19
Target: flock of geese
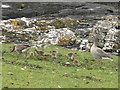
x,y
97,52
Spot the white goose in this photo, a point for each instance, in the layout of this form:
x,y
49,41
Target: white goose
x,y
98,52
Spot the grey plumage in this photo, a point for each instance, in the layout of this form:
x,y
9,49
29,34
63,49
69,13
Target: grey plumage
x,y
98,52
19,48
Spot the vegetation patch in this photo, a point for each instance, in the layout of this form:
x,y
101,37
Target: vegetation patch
x,y
20,71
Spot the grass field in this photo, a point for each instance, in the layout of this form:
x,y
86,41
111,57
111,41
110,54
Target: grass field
x,y
46,72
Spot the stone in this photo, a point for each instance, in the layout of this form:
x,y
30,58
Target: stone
x,y
10,73
58,37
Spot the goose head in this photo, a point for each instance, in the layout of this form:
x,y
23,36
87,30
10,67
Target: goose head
x,y
94,38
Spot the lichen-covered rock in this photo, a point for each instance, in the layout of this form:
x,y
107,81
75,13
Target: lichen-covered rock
x,y
62,31
58,37
108,33
82,32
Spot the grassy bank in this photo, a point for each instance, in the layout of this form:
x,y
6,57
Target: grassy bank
x,y
37,71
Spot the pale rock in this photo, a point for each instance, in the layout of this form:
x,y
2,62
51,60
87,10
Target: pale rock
x,y
54,35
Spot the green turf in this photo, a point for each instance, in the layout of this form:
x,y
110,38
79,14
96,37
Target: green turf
x,y
54,73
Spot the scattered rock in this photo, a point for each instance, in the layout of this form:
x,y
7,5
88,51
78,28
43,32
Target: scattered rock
x,y
107,33
10,73
58,37
22,69
66,23
58,86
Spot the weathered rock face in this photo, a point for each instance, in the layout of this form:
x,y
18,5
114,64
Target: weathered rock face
x,y
81,19
27,9
58,37
108,33
82,33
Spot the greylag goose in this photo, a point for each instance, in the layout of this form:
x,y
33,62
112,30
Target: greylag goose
x,y
19,48
98,52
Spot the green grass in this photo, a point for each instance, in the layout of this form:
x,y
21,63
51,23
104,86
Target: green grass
x,y
53,73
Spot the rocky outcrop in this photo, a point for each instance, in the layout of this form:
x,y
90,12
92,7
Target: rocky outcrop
x,y
27,9
107,32
58,37
74,33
